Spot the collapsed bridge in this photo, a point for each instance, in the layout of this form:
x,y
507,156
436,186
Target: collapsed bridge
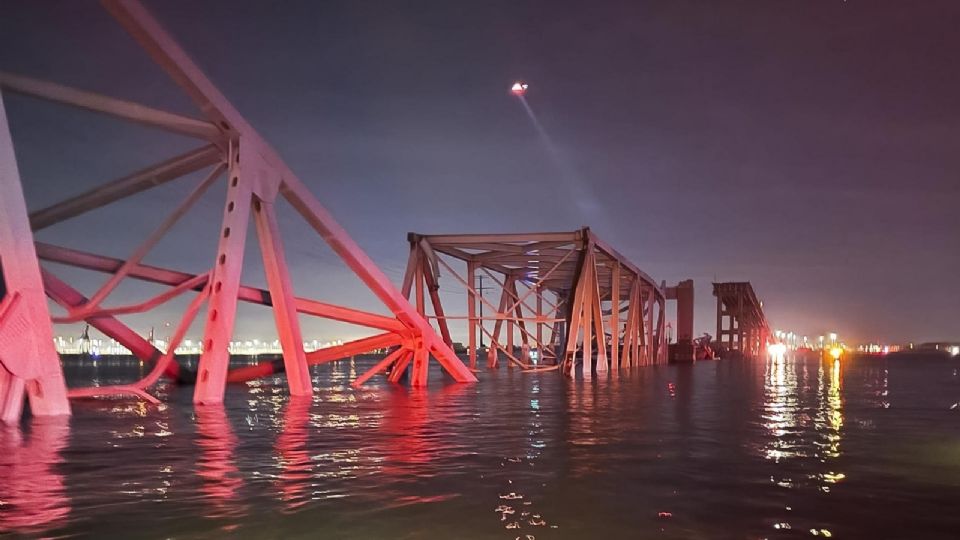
x,y
567,296
566,301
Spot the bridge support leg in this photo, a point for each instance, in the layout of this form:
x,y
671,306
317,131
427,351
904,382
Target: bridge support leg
x,y
225,283
584,312
281,296
28,360
493,354
472,314
11,397
598,327
539,313
420,365
615,316
650,340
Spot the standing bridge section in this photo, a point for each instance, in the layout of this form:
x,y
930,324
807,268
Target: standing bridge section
x,y
567,296
741,324
230,153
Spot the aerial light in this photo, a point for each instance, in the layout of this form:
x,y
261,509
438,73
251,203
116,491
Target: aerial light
x,y
519,88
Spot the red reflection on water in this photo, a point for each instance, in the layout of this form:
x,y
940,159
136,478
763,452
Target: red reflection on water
x,y
215,465
297,467
414,421
31,485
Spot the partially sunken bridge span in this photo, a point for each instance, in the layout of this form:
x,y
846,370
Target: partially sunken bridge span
x,y
230,153
561,299
741,324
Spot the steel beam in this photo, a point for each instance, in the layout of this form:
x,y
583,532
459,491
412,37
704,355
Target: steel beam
x,y
118,108
134,183
155,274
28,360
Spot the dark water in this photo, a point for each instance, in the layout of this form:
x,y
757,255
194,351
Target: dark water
x,y
867,448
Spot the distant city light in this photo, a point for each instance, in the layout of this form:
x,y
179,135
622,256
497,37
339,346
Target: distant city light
x,y
836,352
110,347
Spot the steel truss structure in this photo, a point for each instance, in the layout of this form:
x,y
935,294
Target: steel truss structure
x,y
569,295
741,323
256,177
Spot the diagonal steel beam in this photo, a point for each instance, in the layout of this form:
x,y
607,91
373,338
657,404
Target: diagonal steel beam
x,y
119,108
155,274
126,186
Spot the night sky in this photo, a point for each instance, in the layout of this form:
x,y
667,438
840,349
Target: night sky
x,y
811,148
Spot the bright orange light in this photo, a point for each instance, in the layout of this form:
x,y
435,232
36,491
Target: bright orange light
x,y
836,352
777,349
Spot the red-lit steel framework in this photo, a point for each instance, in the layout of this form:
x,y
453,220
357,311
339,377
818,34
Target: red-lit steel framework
x,y
256,176
741,324
559,293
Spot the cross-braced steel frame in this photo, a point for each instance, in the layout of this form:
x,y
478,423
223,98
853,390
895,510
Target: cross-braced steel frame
x,y
741,323
255,175
569,295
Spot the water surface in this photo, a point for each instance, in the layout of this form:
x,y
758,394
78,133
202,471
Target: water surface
x,y
865,448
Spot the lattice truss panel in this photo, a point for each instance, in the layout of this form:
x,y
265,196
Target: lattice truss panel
x,y
566,295
741,324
